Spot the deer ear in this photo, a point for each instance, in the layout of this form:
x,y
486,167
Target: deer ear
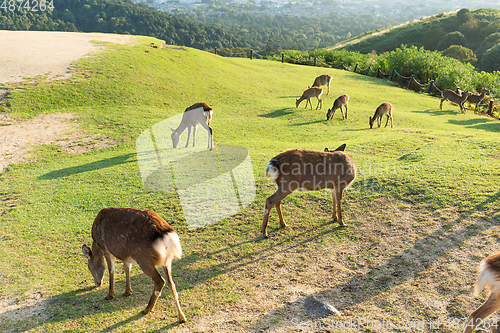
x,y
341,148
87,252
326,150
173,131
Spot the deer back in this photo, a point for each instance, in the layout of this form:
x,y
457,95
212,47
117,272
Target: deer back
x,y
313,170
322,80
129,233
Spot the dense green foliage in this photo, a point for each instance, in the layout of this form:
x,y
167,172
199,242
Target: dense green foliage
x,y
271,33
425,65
477,30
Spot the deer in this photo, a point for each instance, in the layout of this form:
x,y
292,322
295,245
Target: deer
x,y
198,113
308,94
477,98
489,278
451,95
134,236
383,109
337,104
309,170
323,80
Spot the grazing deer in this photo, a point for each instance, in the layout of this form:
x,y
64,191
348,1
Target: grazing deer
x,y
489,278
134,236
309,170
477,98
455,98
308,94
383,109
323,80
339,102
198,113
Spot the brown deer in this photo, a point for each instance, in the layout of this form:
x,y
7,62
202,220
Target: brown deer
x,y
383,109
198,113
134,236
337,104
477,98
455,98
308,94
323,80
310,170
489,278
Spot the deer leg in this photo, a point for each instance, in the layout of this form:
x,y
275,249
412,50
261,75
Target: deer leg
x,y
477,317
441,104
345,112
210,135
195,128
128,288
338,201
320,101
387,121
171,285
391,122
189,134
270,202
280,215
334,206
309,102
158,281
111,270
379,121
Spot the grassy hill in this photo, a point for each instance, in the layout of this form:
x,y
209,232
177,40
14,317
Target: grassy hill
x,y
422,212
476,33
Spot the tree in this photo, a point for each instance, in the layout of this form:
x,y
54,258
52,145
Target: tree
x,y
433,36
460,53
452,38
489,62
464,15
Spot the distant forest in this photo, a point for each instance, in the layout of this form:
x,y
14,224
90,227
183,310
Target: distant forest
x,y
268,34
469,36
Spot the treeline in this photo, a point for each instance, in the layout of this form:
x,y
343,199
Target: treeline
x,y
121,17
424,65
272,33
469,36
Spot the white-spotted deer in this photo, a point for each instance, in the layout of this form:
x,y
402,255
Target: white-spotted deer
x,y
323,80
134,236
489,278
309,170
455,98
308,94
198,113
383,109
337,104
477,98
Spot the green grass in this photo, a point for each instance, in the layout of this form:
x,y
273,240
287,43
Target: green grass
x,y
432,159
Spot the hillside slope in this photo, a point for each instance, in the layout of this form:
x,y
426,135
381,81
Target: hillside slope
x,y
421,214
476,33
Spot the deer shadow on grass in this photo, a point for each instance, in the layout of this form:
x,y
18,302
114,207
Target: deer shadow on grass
x,y
485,124
97,165
276,113
401,267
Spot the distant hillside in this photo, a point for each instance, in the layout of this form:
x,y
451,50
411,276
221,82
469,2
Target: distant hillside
x,y
118,16
469,36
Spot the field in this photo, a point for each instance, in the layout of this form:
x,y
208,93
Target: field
x,y
421,214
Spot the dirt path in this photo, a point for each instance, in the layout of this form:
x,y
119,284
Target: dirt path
x,y
26,54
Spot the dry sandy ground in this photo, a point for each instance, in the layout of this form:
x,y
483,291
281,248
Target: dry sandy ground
x,y
26,54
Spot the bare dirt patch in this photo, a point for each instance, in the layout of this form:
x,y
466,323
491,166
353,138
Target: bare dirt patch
x,y
32,307
56,129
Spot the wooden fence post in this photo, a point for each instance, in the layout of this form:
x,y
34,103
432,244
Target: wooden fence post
x,y
251,54
430,86
367,70
392,73
282,57
355,68
378,72
215,51
315,60
409,84
490,108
